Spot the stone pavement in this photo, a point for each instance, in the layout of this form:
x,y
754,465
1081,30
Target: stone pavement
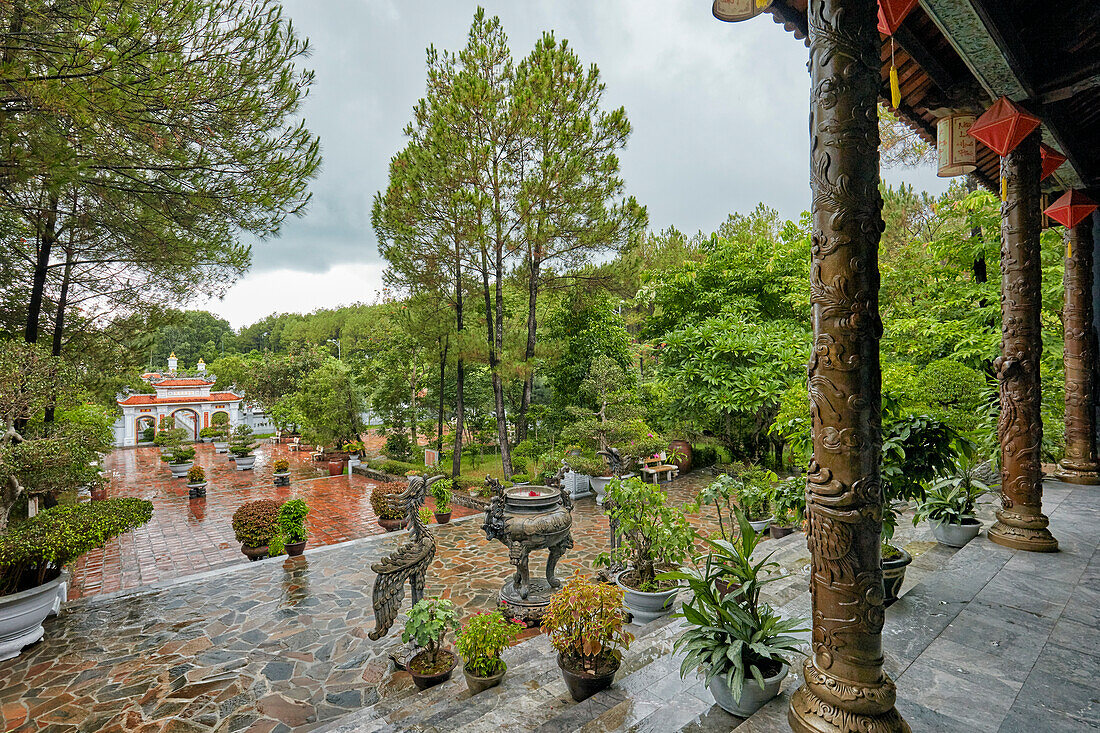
x,y
187,536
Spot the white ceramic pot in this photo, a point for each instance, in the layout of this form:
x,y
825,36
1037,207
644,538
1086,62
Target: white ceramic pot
x,y
22,614
245,463
646,607
179,470
221,446
956,535
752,697
599,485
762,525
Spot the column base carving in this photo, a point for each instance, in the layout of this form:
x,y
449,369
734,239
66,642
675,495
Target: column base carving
x,y
1086,473
1023,532
826,705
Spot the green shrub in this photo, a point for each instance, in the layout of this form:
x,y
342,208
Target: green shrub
x,y
34,551
703,456
292,521
256,522
441,492
149,434
383,500
281,465
196,475
398,447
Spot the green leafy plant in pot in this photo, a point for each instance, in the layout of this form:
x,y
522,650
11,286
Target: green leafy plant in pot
x,y
441,491
787,499
255,523
241,446
292,526
480,643
653,536
428,623
586,624
949,506
739,644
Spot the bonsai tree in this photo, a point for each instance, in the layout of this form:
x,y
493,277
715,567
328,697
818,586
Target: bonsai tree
x,y
242,443
178,453
219,425
255,523
653,534
441,492
292,521
734,636
35,551
170,437
585,622
587,466
429,621
482,639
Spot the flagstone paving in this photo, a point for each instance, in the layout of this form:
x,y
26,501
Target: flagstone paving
x,y
187,536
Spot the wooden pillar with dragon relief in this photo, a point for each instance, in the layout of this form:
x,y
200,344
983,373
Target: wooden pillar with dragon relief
x,y
1080,466
844,686
1021,523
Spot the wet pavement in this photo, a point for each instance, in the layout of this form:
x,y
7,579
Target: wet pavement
x,y
188,536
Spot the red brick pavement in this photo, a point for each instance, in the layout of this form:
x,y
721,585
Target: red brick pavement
x,y
187,536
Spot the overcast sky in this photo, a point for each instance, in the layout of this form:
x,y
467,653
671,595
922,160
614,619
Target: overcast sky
x,y
719,113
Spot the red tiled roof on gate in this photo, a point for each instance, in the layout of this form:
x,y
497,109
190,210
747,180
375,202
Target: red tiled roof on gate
x,y
190,382
149,399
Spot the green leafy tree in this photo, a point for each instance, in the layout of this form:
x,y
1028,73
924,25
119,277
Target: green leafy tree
x,y
330,404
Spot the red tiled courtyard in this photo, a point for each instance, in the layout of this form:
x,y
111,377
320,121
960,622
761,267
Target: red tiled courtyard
x,y
187,536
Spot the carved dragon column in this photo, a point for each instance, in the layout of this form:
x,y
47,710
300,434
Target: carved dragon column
x,y
1080,465
1020,522
845,687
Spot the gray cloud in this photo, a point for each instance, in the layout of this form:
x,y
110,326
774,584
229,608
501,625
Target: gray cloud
x,y
719,110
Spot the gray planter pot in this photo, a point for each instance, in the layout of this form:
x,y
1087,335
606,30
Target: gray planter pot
x,y
179,470
956,535
762,525
646,607
245,463
599,485
22,614
577,484
221,446
752,697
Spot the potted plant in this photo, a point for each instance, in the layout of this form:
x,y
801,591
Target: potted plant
x,y
292,526
196,482
599,479
915,449
221,439
34,553
255,523
424,514
581,470
354,449
480,642
241,446
281,472
521,479
653,536
586,625
754,485
787,499
429,621
740,645
383,501
180,459
949,507
441,492
207,435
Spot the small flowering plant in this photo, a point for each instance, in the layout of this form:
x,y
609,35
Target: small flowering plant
x,y
482,639
585,621
196,475
281,465
425,515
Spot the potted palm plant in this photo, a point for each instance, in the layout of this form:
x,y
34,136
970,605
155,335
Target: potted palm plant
x,y
740,645
196,482
429,621
586,625
280,475
34,553
383,500
653,536
480,643
241,446
948,506
255,524
292,526
441,492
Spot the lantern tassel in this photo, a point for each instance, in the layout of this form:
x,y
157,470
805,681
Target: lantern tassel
x,y
763,3
895,86
1004,189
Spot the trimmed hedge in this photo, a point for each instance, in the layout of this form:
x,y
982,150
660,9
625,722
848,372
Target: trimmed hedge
x,y
33,552
256,522
703,456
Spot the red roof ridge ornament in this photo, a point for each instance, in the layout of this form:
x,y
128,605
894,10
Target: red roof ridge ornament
x,y
1003,126
891,13
1052,160
1071,208
734,11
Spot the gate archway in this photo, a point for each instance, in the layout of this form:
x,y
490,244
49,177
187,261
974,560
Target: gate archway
x,y
187,419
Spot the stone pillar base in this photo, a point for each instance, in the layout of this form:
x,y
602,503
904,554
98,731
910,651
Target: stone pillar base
x,y
868,709
1023,532
1086,473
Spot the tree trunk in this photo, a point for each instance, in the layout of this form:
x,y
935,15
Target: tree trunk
x,y
442,385
59,319
980,271
529,352
460,372
41,268
497,333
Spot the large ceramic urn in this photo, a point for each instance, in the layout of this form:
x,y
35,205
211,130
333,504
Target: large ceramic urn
x,y
526,518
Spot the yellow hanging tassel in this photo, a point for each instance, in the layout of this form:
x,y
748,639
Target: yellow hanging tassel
x,y
1004,189
895,86
1069,248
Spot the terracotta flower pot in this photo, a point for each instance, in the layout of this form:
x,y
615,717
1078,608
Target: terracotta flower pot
x,y
681,446
583,685
480,684
294,549
424,678
392,525
336,468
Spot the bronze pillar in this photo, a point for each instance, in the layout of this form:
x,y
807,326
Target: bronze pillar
x,y
1080,465
845,688
1020,522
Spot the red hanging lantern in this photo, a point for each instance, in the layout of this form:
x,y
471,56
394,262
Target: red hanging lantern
x,y
1003,126
1051,160
1071,208
891,13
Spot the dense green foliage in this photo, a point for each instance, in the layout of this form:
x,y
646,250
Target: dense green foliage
x,y
292,521
256,522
